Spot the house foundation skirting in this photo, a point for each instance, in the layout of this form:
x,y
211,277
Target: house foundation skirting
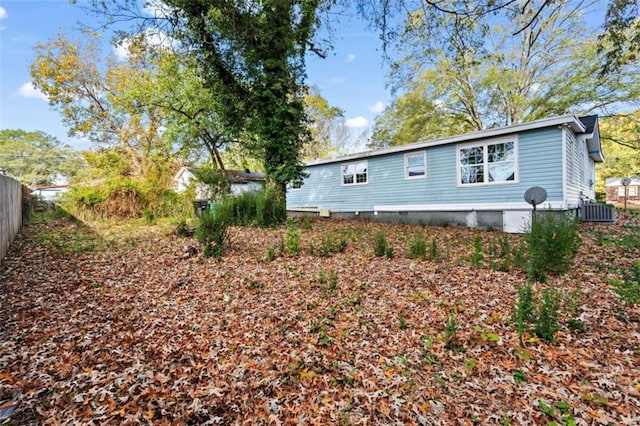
x,y
513,221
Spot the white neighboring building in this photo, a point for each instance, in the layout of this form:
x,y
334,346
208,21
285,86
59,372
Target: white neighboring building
x,y
241,181
49,193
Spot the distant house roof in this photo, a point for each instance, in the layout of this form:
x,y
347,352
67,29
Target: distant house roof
x,y
235,176
241,176
617,181
584,125
49,187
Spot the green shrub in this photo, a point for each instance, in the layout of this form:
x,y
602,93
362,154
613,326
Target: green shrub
x,y
451,340
292,239
418,248
380,246
149,216
542,311
389,252
433,249
477,256
551,243
212,232
332,244
547,322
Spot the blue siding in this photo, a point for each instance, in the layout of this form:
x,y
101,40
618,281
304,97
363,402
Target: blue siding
x,y
540,164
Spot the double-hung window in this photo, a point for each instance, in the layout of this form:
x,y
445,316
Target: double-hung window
x,y
354,173
487,162
415,165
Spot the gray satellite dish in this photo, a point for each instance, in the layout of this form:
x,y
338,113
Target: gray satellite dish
x,y
535,195
626,181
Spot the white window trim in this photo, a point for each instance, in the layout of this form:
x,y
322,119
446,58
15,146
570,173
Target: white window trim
x,y
406,165
354,176
516,166
632,191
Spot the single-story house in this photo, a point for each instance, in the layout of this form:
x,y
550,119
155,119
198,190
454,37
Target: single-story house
x,y
616,192
475,179
240,181
49,193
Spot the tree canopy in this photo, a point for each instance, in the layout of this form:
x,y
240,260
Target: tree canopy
x,y
524,61
252,54
36,158
98,99
621,145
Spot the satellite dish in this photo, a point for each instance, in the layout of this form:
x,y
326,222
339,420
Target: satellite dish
x,y
626,182
535,195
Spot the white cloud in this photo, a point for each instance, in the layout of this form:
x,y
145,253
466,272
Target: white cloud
x,y
356,122
3,15
378,107
122,50
156,39
28,90
351,57
157,8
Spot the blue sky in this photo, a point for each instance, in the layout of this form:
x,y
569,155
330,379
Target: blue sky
x,y
352,77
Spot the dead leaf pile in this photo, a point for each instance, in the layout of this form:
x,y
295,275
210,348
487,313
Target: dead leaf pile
x,y
139,333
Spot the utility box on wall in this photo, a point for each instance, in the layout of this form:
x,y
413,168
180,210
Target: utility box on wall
x,y
516,221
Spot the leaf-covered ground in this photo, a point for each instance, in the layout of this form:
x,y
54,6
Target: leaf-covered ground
x,y
142,330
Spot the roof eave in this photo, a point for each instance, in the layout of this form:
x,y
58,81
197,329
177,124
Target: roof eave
x,y
570,120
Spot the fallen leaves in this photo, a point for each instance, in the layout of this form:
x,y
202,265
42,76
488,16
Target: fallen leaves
x,y
141,333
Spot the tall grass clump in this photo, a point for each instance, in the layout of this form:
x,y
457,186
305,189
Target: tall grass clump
x,y
265,208
551,243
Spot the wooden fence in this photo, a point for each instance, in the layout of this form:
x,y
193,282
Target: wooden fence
x,y
14,208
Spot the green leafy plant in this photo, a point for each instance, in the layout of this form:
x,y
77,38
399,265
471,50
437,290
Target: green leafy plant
x,y
427,342
563,415
519,376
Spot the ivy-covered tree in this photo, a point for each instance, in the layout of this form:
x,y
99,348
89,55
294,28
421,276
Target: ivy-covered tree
x,y
253,55
36,158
